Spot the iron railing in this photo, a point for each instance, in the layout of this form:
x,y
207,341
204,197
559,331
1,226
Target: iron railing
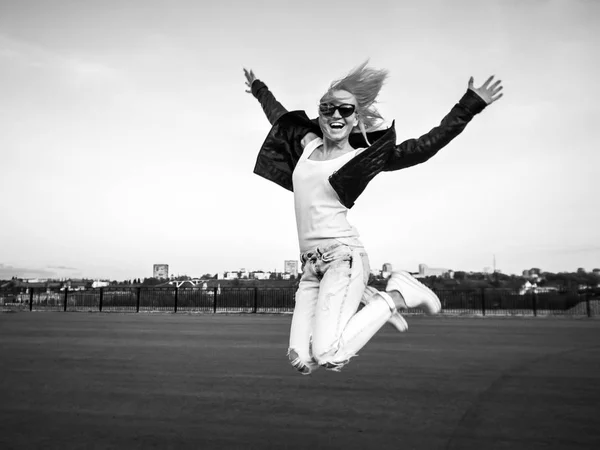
x,y
483,302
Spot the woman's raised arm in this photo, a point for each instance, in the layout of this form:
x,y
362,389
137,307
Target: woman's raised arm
x,y
416,151
271,107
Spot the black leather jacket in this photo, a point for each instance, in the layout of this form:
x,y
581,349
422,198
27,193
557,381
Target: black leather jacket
x,y
282,148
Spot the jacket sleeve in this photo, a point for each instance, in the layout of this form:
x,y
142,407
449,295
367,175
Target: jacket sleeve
x,y
416,151
272,108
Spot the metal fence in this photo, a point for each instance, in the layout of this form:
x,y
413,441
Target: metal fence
x,y
483,302
504,302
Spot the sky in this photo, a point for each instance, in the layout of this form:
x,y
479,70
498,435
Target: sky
x,y
127,138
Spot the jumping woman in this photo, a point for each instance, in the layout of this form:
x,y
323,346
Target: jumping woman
x,y
327,163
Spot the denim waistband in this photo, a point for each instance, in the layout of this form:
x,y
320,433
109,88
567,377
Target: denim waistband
x,y
327,246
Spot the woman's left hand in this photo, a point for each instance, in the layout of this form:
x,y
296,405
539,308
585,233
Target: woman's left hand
x,y
250,78
488,92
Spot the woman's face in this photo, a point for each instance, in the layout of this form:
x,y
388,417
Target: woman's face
x,y
334,126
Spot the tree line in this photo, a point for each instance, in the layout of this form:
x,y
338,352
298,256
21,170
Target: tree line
x,y
460,280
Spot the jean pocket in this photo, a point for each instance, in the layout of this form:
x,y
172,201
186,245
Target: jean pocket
x,y
339,253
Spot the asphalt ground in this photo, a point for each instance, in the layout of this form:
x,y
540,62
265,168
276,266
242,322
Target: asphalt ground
x,y
166,381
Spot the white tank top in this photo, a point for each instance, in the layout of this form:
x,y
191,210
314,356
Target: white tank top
x,y
319,213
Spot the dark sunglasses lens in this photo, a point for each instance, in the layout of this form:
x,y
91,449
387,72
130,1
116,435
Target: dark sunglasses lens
x,y
326,109
346,110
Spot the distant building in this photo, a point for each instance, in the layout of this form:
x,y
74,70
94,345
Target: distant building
x,y
425,271
260,275
291,267
386,270
529,287
533,274
235,275
161,271
35,280
74,285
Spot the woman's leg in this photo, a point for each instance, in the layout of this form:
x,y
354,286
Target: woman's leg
x,y
394,299
340,331
301,330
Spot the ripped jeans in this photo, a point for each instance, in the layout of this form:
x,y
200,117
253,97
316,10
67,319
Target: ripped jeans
x,y
327,328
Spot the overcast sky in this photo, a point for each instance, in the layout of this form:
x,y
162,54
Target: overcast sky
x,y
126,137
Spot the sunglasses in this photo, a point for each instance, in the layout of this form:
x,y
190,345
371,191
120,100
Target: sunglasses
x,y
345,109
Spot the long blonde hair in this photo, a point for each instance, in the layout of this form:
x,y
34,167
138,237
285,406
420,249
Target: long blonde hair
x,y
364,83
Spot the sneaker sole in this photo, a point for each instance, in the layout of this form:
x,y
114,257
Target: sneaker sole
x,y
398,322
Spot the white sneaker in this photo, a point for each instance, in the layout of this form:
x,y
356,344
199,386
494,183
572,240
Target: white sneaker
x,y
415,293
396,320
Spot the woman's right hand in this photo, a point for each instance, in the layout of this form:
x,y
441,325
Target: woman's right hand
x,y
488,93
250,78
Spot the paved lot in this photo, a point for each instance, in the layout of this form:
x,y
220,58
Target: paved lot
x,y
139,381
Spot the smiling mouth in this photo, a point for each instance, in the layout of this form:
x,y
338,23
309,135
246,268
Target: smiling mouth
x,y
337,125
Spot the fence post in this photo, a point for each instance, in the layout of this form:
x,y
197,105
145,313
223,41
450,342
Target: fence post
x,y
255,308
30,299
101,298
215,300
534,302
176,295
483,301
66,295
137,300
588,307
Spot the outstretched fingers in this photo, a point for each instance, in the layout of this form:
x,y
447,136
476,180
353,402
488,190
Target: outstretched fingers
x,y
487,82
489,91
495,90
496,97
249,74
250,77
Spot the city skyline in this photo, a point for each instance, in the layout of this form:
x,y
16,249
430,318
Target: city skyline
x,y
128,137
422,269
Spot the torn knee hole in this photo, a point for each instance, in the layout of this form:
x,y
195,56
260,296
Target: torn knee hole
x,y
326,360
